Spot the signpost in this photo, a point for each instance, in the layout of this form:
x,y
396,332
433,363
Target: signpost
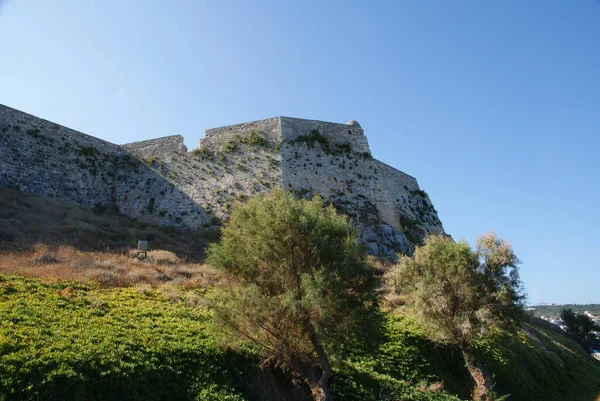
x,y
142,248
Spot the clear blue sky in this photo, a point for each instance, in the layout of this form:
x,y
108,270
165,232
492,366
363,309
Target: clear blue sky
x,y
493,105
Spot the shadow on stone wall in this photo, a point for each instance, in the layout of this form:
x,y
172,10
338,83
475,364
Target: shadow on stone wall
x,y
43,158
27,220
144,194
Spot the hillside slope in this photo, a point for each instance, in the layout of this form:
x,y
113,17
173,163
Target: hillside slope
x,y
69,341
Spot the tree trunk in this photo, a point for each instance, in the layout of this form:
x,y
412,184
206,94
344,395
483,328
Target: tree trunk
x,y
484,389
320,388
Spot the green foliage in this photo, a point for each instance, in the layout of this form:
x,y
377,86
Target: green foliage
x,y
230,147
342,148
310,139
580,327
88,151
440,283
459,293
419,192
150,161
69,341
255,138
412,230
316,137
300,280
456,291
531,364
404,364
538,363
499,278
36,133
205,153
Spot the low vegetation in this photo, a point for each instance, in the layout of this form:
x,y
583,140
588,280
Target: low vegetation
x,y
107,269
328,148
65,340
69,341
95,324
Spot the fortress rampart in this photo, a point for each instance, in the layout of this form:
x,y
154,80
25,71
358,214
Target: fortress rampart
x,y
160,182
160,146
41,157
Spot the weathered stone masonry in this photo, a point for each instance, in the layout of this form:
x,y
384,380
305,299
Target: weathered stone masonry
x,y
159,181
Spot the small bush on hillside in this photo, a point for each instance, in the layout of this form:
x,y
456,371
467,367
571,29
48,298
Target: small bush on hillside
x,y
229,147
255,138
163,257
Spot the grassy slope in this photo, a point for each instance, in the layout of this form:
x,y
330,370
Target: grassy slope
x,y
70,341
63,340
540,363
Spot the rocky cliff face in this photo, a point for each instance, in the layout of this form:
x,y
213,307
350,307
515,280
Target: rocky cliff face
x,y
159,181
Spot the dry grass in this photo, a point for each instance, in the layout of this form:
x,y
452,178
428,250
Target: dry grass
x,y
160,268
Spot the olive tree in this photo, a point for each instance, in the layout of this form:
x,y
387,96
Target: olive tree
x,y
457,292
296,283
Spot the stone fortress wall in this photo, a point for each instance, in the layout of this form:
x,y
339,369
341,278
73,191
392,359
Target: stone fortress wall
x,y
351,133
215,138
386,204
159,146
41,157
160,182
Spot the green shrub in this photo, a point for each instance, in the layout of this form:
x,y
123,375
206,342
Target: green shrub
x,y
88,151
310,139
342,148
255,138
150,161
230,147
205,153
34,133
418,192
